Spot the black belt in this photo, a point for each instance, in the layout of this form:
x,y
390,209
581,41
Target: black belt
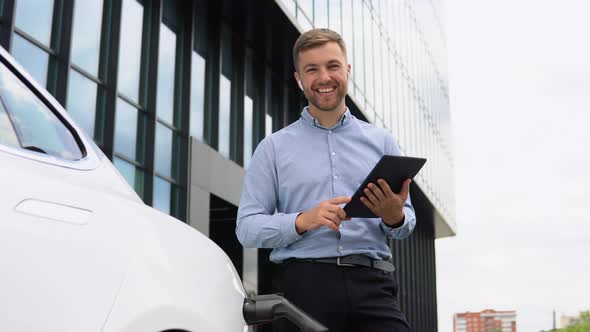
x,y
350,260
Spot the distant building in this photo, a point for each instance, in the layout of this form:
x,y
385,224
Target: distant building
x,y
485,321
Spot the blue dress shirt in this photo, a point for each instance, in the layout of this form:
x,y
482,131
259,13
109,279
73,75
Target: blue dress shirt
x,y
295,169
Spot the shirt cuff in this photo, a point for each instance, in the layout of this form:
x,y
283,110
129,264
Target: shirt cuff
x,y
393,231
394,227
287,222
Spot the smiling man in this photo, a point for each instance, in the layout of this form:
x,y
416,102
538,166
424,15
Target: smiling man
x,y
335,268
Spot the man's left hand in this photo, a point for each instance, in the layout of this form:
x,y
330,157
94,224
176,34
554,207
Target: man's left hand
x,y
386,204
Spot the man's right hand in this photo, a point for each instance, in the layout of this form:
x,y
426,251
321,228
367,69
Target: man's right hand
x,y
327,213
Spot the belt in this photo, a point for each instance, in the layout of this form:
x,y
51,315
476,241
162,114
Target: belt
x,y
350,260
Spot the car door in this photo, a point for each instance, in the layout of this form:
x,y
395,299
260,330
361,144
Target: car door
x,y
65,239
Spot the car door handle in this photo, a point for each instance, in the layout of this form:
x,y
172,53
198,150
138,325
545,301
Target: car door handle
x,y
54,211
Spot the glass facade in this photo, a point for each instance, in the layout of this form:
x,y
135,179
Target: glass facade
x,y
31,57
130,60
399,77
86,35
197,96
129,125
116,71
82,101
34,18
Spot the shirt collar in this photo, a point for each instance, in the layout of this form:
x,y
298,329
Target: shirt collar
x,y
307,117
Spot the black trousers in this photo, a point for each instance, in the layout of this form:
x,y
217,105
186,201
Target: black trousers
x,y
344,299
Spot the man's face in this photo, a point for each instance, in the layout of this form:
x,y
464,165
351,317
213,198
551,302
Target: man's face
x,y
323,72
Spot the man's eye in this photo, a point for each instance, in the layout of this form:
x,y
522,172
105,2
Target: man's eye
x,y
311,70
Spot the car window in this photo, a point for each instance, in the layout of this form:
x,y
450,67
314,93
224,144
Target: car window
x,y
7,134
25,122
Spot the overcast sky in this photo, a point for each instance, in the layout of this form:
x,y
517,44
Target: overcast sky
x,y
520,107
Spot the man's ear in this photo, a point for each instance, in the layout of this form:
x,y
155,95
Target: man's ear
x,y
296,75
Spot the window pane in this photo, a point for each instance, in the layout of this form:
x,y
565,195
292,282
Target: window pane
x,y
380,69
347,29
166,63
248,114
387,107
304,22
82,101
162,195
359,64
32,58
163,157
368,48
37,127
129,125
130,57
307,7
335,16
397,98
224,115
320,19
197,96
34,17
131,173
7,133
86,34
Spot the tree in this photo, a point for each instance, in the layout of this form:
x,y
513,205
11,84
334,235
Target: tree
x,y
582,324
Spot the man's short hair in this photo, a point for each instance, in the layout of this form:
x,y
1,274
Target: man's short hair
x,y
315,38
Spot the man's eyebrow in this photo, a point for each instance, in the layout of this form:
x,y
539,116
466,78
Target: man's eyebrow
x,y
331,62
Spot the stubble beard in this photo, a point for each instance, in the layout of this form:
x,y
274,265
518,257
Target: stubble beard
x,y
332,106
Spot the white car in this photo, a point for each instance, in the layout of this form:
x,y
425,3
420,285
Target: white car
x,y
80,251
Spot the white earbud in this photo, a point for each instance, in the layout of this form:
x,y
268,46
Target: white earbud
x,y
300,85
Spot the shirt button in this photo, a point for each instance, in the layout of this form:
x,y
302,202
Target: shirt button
x,y
333,153
340,248
329,132
335,177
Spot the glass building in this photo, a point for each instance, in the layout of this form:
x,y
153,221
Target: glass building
x,y
179,93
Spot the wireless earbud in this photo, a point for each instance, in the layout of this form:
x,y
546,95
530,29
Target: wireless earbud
x,y
300,85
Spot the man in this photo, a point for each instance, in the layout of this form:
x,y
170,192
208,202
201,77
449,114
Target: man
x,y
333,267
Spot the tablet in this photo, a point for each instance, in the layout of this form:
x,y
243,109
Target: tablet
x,y
394,170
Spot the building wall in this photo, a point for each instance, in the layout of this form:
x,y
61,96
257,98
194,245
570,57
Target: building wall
x,y
179,93
485,321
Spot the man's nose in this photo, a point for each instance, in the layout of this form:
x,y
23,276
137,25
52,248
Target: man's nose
x,y
324,75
